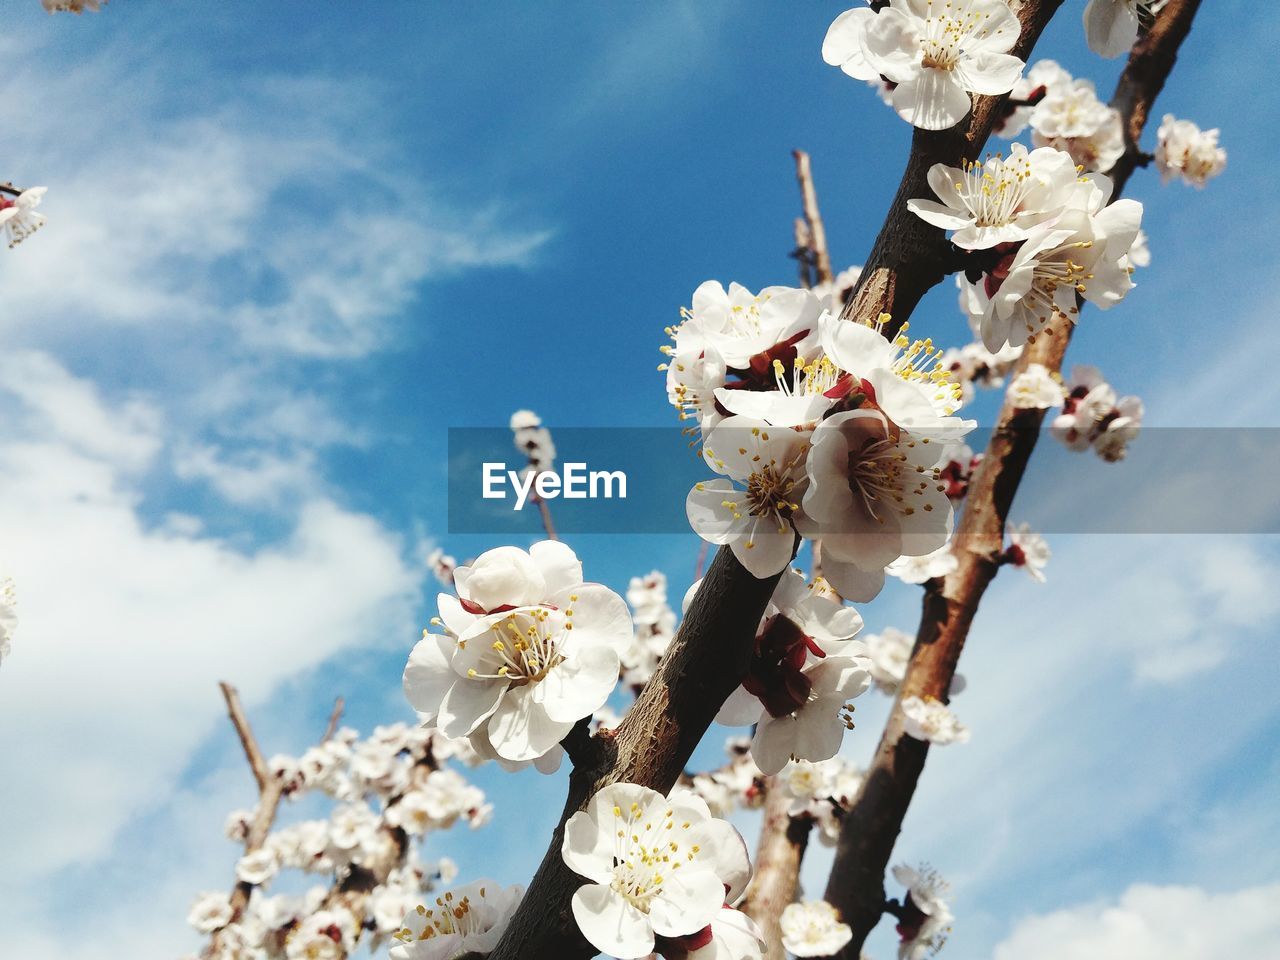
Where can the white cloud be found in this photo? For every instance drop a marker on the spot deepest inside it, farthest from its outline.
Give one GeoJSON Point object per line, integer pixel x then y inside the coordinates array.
{"type": "Point", "coordinates": [125, 629]}
{"type": "Point", "coordinates": [1155, 923]}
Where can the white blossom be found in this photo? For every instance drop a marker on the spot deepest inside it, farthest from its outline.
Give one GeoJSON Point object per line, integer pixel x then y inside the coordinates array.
{"type": "Point", "coordinates": [1043, 78]}
{"type": "Point", "coordinates": [888, 653]}
{"type": "Point", "coordinates": [813, 928]}
{"type": "Point", "coordinates": [926, 917]}
{"type": "Point", "coordinates": [1184, 150]}
{"type": "Point", "coordinates": [210, 912]}
{"type": "Point", "coordinates": [533, 650]}
{"type": "Point", "coordinates": [257, 867]}
{"type": "Point", "coordinates": [1027, 549]}
{"type": "Point", "coordinates": [627, 843]}
{"type": "Point", "coordinates": [998, 201]}
{"type": "Point", "coordinates": [469, 918]}
{"type": "Point", "coordinates": [756, 520]}
{"type": "Point", "coordinates": [1084, 252]}
{"type": "Point", "coordinates": [1036, 388]}
{"type": "Point", "coordinates": [1071, 118]}
{"type": "Point", "coordinates": [734, 936]}
{"type": "Point", "coordinates": [934, 54]}
{"type": "Point", "coordinates": [18, 216]}
{"type": "Point", "coordinates": [925, 568]}
{"type": "Point", "coordinates": [930, 720]}
{"type": "Point", "coordinates": [325, 935]}
{"type": "Point", "coordinates": [1111, 26]}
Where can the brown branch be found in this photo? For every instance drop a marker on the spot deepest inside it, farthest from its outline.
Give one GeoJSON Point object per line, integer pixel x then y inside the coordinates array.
{"type": "Point", "coordinates": [783, 840]}
{"type": "Point", "coordinates": [817, 233]}
{"type": "Point", "coordinates": [910, 256]}
{"type": "Point", "coordinates": [856, 885]}
{"type": "Point", "coordinates": [547, 525]}
{"type": "Point", "coordinates": [252, 753]}
{"type": "Point", "coordinates": [707, 659]}
{"type": "Point", "coordinates": [9, 188]}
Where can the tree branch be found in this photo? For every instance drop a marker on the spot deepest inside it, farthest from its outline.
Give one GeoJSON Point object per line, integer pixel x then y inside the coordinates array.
{"type": "Point", "coordinates": [334, 719]}
{"type": "Point", "coordinates": [856, 885]}
{"type": "Point", "coordinates": [817, 233]}
{"type": "Point", "coordinates": [910, 256]}
{"type": "Point", "coordinates": [252, 753]}
{"type": "Point", "coordinates": [773, 885]}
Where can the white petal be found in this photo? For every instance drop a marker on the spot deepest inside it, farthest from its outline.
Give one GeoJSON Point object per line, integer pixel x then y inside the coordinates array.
{"type": "Point", "coordinates": [579, 686]}
{"type": "Point", "coordinates": [468, 704]}
{"type": "Point", "coordinates": [690, 898]}
{"type": "Point", "coordinates": [428, 674]}
{"type": "Point", "coordinates": [520, 728]}
{"type": "Point", "coordinates": [559, 565]}
{"type": "Point", "coordinates": [611, 924]}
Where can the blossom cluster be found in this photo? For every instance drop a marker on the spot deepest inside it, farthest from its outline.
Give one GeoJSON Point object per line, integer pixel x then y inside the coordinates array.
{"type": "Point", "coordinates": [655, 628]}
{"type": "Point", "coordinates": [813, 928]}
{"type": "Point", "coordinates": [1038, 237]}
{"type": "Point", "coordinates": [817, 427]}
{"type": "Point", "coordinates": [1092, 416]}
{"type": "Point", "coordinates": [390, 789]}
{"type": "Point", "coordinates": [534, 441]}
{"type": "Point", "coordinates": [1184, 150]}
{"type": "Point", "coordinates": [1064, 112]}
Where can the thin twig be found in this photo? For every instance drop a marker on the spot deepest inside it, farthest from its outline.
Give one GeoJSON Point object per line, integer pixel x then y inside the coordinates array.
{"type": "Point", "coordinates": [334, 719]}
{"type": "Point", "coordinates": [257, 763]}
{"type": "Point", "coordinates": [813, 219]}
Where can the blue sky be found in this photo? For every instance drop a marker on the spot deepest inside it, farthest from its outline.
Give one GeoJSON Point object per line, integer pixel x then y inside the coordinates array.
{"type": "Point", "coordinates": [289, 247]}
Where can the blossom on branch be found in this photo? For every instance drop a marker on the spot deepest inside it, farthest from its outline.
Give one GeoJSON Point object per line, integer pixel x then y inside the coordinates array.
{"type": "Point", "coordinates": [1070, 117]}
{"type": "Point", "coordinates": [659, 868]}
{"type": "Point", "coordinates": [18, 216]}
{"type": "Point", "coordinates": [530, 649]}
{"type": "Point", "coordinates": [813, 928]}
{"type": "Point", "coordinates": [931, 721]}
{"type": "Point", "coordinates": [1036, 388]}
{"type": "Point", "coordinates": [933, 54]}
{"type": "Point", "coordinates": [1027, 549]}
{"type": "Point", "coordinates": [924, 918]}
{"type": "Point", "coordinates": [1092, 416]}
{"type": "Point", "coordinates": [1184, 150]}
{"type": "Point", "coordinates": [1111, 26]}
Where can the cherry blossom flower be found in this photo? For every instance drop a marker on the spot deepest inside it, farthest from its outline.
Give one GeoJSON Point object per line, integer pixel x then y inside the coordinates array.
{"type": "Point", "coordinates": [923, 569]}
{"type": "Point", "coordinates": [889, 653]}
{"type": "Point", "coordinates": [325, 935]}
{"type": "Point", "coordinates": [258, 866]}
{"type": "Point", "coordinates": [533, 440]}
{"type": "Point", "coordinates": [8, 616]}
{"type": "Point", "coordinates": [1036, 388]}
{"type": "Point", "coordinates": [924, 918]}
{"type": "Point", "coordinates": [813, 928]}
{"type": "Point", "coordinates": [1071, 118]}
{"type": "Point", "coordinates": [998, 201]}
{"type": "Point", "coordinates": [757, 523]}
{"type": "Point", "coordinates": [973, 365]}
{"type": "Point", "coordinates": [930, 720]}
{"type": "Point", "coordinates": [210, 912]}
{"type": "Point", "coordinates": [874, 496]}
{"type": "Point", "coordinates": [657, 866]}
{"type": "Point", "coordinates": [441, 566]}
{"type": "Point", "coordinates": [1184, 150]}
{"type": "Point", "coordinates": [1093, 416]}
{"type": "Point", "coordinates": [1044, 77]}
{"type": "Point", "coordinates": [805, 668]}
{"type": "Point", "coordinates": [1027, 550]}
{"type": "Point", "coordinates": [533, 650]}
{"type": "Point", "coordinates": [734, 936]}
{"type": "Point", "coordinates": [935, 53]}
{"type": "Point", "coordinates": [843, 45]}
{"type": "Point", "coordinates": [471, 918]}
{"type": "Point", "coordinates": [18, 217]}
{"type": "Point", "coordinates": [1111, 26]}
{"type": "Point", "coordinates": [1084, 252]}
